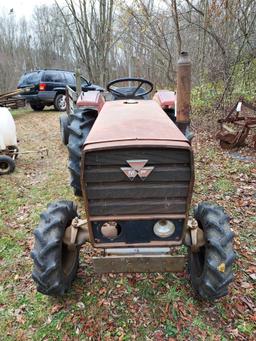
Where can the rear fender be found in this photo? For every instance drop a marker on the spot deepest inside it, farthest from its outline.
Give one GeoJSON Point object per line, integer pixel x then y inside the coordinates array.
{"type": "Point", "coordinates": [165, 98]}
{"type": "Point", "coordinates": [93, 99]}
{"type": "Point", "coordinates": [60, 90]}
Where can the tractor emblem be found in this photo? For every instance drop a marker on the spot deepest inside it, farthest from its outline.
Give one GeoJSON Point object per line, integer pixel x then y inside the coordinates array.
{"type": "Point", "coordinates": [137, 168]}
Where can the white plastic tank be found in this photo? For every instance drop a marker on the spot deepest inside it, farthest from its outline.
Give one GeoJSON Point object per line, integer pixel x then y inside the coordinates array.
{"type": "Point", "coordinates": [8, 135]}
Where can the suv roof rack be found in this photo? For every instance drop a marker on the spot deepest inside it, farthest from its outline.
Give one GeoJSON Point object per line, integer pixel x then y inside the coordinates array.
{"type": "Point", "coordinates": [48, 69]}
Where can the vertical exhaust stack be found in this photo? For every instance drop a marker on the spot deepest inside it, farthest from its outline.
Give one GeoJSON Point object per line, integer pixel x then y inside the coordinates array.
{"type": "Point", "coordinates": [183, 106]}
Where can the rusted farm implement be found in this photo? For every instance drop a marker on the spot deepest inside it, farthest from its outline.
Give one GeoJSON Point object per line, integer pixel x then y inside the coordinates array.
{"type": "Point", "coordinates": [230, 138]}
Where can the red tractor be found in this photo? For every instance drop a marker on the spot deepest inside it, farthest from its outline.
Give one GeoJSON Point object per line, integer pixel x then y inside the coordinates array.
{"type": "Point", "coordinates": [131, 160]}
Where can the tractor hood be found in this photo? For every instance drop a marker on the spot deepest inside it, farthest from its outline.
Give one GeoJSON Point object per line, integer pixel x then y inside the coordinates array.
{"type": "Point", "coordinates": [125, 123]}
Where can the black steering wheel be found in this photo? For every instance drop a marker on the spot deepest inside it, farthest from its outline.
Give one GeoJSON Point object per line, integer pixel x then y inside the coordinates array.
{"type": "Point", "coordinates": [130, 94]}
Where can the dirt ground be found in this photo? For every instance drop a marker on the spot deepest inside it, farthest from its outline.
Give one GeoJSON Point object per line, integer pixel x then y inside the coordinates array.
{"type": "Point", "coordinates": [120, 307]}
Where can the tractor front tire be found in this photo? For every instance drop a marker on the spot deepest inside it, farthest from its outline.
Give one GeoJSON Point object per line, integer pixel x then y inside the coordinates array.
{"type": "Point", "coordinates": [7, 165]}
{"type": "Point", "coordinates": [211, 267]}
{"type": "Point", "coordinates": [81, 123]}
{"type": "Point", "coordinates": [64, 131]}
{"type": "Point", "coordinates": [55, 265]}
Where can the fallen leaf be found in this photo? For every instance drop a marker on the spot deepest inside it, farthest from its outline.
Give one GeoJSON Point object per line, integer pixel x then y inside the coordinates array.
{"type": "Point", "coordinates": [253, 276]}
{"type": "Point", "coordinates": [56, 308]}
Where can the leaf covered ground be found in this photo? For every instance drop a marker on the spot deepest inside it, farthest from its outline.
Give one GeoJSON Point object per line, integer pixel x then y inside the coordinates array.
{"type": "Point", "coordinates": [129, 306]}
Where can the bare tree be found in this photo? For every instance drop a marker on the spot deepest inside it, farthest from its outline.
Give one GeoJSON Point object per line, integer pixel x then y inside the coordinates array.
{"type": "Point", "coordinates": [113, 38]}
{"type": "Point", "coordinates": [90, 25]}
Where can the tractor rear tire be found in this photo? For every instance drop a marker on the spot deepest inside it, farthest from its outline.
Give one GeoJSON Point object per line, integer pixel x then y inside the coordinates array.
{"type": "Point", "coordinates": [7, 165]}
{"type": "Point", "coordinates": [55, 265]}
{"type": "Point", "coordinates": [211, 267]}
{"type": "Point", "coordinates": [64, 131]}
{"type": "Point", "coordinates": [81, 123]}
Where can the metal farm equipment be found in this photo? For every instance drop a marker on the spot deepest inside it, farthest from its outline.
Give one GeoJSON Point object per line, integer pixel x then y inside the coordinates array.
{"type": "Point", "coordinates": [132, 161]}
{"type": "Point", "coordinates": [9, 150]}
{"type": "Point", "coordinates": [230, 138]}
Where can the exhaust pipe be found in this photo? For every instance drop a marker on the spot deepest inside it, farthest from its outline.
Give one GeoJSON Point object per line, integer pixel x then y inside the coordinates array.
{"type": "Point", "coordinates": [183, 106]}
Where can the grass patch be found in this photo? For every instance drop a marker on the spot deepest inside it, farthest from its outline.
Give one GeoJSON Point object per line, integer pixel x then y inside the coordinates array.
{"type": "Point", "coordinates": [170, 329]}
{"type": "Point", "coordinates": [224, 186]}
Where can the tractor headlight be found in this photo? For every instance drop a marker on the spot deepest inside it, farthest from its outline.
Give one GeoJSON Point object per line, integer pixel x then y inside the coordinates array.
{"type": "Point", "coordinates": [164, 228]}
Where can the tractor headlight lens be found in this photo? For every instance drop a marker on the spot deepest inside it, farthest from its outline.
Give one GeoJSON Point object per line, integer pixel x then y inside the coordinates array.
{"type": "Point", "coordinates": [164, 228]}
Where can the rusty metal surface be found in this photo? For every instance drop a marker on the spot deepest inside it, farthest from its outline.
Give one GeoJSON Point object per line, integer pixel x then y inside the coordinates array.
{"type": "Point", "coordinates": [93, 99]}
{"type": "Point", "coordinates": [136, 143]}
{"type": "Point", "coordinates": [183, 107]}
{"type": "Point", "coordinates": [138, 217]}
{"type": "Point", "coordinates": [190, 192]}
{"type": "Point", "coordinates": [155, 243]}
{"type": "Point", "coordinates": [230, 138]}
{"type": "Point", "coordinates": [146, 263]}
{"type": "Point", "coordinates": [165, 98]}
{"type": "Point", "coordinates": [143, 120]}
{"type": "Point", "coordinates": [141, 124]}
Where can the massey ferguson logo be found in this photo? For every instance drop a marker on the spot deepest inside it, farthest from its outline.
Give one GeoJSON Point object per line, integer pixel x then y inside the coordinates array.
{"type": "Point", "coordinates": [137, 168]}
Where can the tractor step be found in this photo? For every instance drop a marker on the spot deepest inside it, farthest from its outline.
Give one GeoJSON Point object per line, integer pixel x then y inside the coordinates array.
{"type": "Point", "coordinates": [143, 263]}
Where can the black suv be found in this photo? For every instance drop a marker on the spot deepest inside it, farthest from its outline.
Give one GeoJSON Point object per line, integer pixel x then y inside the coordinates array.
{"type": "Point", "coordinates": [48, 87]}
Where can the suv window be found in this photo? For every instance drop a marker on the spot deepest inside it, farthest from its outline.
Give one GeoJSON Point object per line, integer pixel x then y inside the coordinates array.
{"type": "Point", "coordinates": [70, 78]}
{"type": "Point", "coordinates": [30, 78]}
{"type": "Point", "coordinates": [53, 76]}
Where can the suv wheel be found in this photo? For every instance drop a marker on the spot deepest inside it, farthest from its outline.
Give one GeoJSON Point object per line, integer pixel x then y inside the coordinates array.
{"type": "Point", "coordinates": [60, 102]}
{"type": "Point", "coordinates": [37, 106]}
{"type": "Point", "coordinates": [211, 267]}
{"type": "Point", "coordinates": [55, 265]}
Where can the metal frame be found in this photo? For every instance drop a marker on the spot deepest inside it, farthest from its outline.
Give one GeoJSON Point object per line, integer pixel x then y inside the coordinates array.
{"type": "Point", "coordinates": [184, 216]}
{"type": "Point", "coordinates": [230, 138]}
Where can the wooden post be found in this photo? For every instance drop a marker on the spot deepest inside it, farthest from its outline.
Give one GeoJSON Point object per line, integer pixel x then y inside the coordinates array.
{"type": "Point", "coordinates": [78, 81]}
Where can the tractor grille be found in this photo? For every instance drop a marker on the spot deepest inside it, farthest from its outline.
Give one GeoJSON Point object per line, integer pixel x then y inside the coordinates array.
{"type": "Point", "coordinates": [110, 192]}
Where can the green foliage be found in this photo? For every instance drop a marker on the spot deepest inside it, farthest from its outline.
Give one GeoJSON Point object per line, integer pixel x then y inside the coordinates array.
{"type": "Point", "coordinates": [246, 327]}
{"type": "Point", "coordinates": [170, 329]}
{"type": "Point", "coordinates": [205, 95]}
{"type": "Point", "coordinates": [224, 186]}
{"type": "Point", "coordinates": [244, 79]}
{"type": "Point", "coordinates": [242, 82]}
